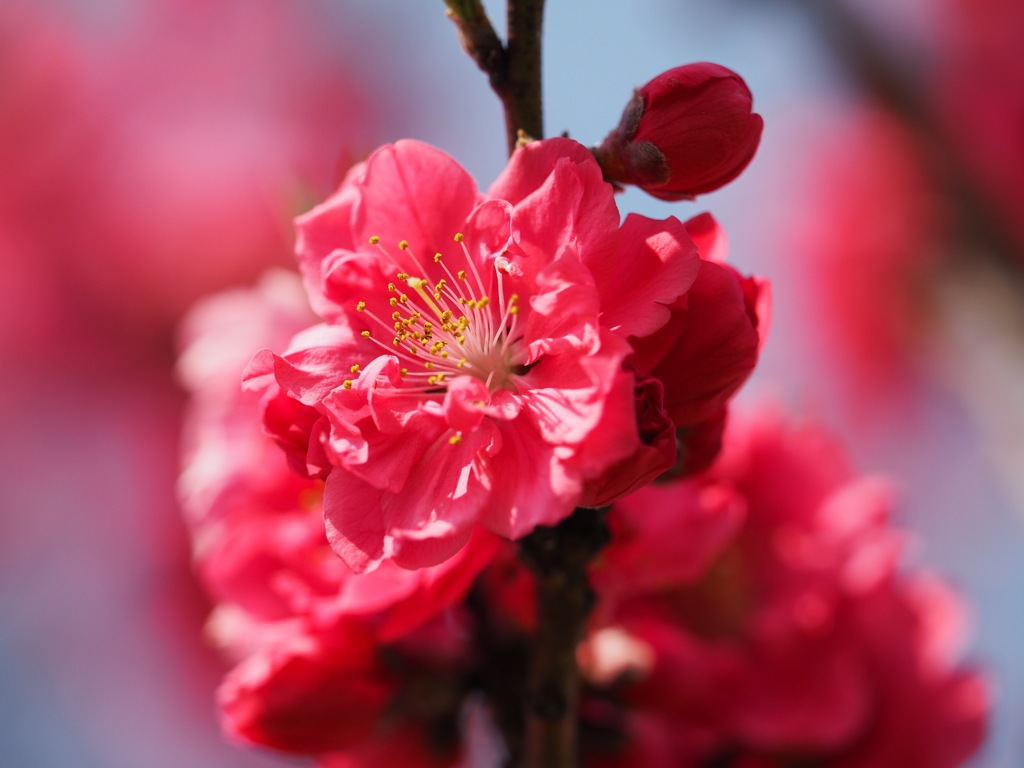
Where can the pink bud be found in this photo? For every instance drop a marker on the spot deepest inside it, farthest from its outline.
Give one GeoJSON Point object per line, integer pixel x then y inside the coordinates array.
{"type": "Point", "coordinates": [688, 131]}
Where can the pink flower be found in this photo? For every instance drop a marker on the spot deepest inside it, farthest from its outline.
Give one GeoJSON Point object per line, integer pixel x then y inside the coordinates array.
{"type": "Point", "coordinates": [473, 366]}
{"type": "Point", "coordinates": [169, 180]}
{"type": "Point", "coordinates": [688, 131]}
{"type": "Point", "coordinates": [868, 253]}
{"type": "Point", "coordinates": [777, 623]}
{"type": "Point", "coordinates": [708, 347]}
{"type": "Point", "coordinates": [311, 640]}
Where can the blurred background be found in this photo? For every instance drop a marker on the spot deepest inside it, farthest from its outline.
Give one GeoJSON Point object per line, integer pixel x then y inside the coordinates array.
{"type": "Point", "coordinates": [154, 151]}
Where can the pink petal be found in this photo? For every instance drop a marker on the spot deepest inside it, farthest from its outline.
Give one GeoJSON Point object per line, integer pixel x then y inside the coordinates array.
{"type": "Point", "coordinates": [414, 192]}
{"type": "Point", "coordinates": [709, 237]}
{"type": "Point", "coordinates": [657, 264]}
{"type": "Point", "coordinates": [716, 350]}
{"type": "Point", "coordinates": [560, 196]}
{"type": "Point", "coordinates": [530, 485]}
{"type": "Point", "coordinates": [321, 232]}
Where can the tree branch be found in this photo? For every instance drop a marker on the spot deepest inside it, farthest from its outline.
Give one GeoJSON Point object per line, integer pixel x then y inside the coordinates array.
{"type": "Point", "coordinates": [558, 557]}
{"type": "Point", "coordinates": [481, 42]}
{"type": "Point", "coordinates": [524, 110]}
{"type": "Point", "coordinates": [514, 71]}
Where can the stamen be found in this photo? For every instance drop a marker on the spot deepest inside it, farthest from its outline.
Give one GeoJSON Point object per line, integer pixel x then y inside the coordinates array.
{"type": "Point", "coordinates": [432, 337]}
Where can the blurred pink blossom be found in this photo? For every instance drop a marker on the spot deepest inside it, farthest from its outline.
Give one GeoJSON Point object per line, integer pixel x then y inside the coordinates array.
{"type": "Point", "coordinates": [786, 629]}
{"type": "Point", "coordinates": [152, 162]}
{"type": "Point", "coordinates": [307, 634]}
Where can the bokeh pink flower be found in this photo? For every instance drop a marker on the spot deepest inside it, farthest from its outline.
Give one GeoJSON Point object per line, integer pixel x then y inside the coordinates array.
{"type": "Point", "coordinates": [752, 613]}
{"type": "Point", "coordinates": [778, 624]}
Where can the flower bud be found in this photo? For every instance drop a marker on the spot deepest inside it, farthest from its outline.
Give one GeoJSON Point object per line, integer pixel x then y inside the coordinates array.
{"type": "Point", "coordinates": [688, 131]}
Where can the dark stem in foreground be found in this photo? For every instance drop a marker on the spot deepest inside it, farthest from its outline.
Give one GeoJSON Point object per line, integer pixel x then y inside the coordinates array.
{"type": "Point", "coordinates": [514, 71]}
{"type": "Point", "coordinates": [558, 557]}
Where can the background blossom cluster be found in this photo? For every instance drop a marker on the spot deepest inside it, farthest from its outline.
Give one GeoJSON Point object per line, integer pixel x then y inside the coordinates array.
{"type": "Point", "coordinates": [750, 614]}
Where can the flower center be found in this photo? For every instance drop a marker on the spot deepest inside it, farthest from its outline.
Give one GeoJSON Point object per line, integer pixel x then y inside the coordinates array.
{"type": "Point", "coordinates": [445, 324]}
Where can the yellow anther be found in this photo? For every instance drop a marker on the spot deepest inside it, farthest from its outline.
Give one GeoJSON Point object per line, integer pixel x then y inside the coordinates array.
{"type": "Point", "coordinates": [437, 297]}
{"type": "Point", "coordinates": [458, 237]}
{"type": "Point", "coordinates": [402, 275]}
{"type": "Point", "coordinates": [393, 301]}
{"type": "Point", "coordinates": [513, 310]}
{"type": "Point", "coordinates": [396, 315]}
{"type": "Point", "coordinates": [428, 365]}
{"type": "Point", "coordinates": [446, 315]}
{"type": "Point", "coordinates": [360, 306]}
{"type": "Point", "coordinates": [374, 240]}
{"type": "Point", "coordinates": [354, 368]}
{"type": "Point", "coordinates": [403, 244]}
{"type": "Point", "coordinates": [437, 257]}
{"type": "Point", "coordinates": [403, 372]}
{"type": "Point", "coordinates": [455, 439]}
{"type": "Point", "coordinates": [482, 302]}
{"type": "Point", "coordinates": [403, 298]}
{"type": "Point", "coordinates": [443, 353]}
{"type": "Point", "coordinates": [461, 274]}
{"type": "Point", "coordinates": [365, 334]}
{"type": "Point", "coordinates": [432, 380]}
{"type": "Point", "coordinates": [461, 362]}
{"type": "Point", "coordinates": [347, 383]}
{"type": "Point", "coordinates": [392, 287]}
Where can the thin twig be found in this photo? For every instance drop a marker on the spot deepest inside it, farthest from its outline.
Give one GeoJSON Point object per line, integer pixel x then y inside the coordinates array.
{"type": "Point", "coordinates": [524, 112]}
{"type": "Point", "coordinates": [514, 71]}
{"type": "Point", "coordinates": [481, 42]}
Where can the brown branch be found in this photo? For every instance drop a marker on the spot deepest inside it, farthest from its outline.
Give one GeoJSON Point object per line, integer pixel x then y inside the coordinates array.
{"type": "Point", "coordinates": [481, 42]}
{"type": "Point", "coordinates": [558, 557]}
{"type": "Point", "coordinates": [514, 71]}
{"type": "Point", "coordinates": [524, 112]}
